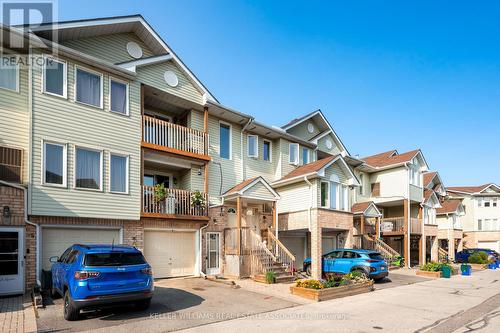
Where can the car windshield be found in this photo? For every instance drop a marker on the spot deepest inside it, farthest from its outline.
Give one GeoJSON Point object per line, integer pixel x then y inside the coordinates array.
{"type": "Point", "coordinates": [114, 259]}
{"type": "Point", "coordinates": [375, 256]}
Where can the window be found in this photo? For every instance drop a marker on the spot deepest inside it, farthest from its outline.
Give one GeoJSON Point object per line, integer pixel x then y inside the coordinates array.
{"type": "Point", "coordinates": [118, 173]}
{"type": "Point", "coordinates": [266, 151]}
{"type": "Point", "coordinates": [293, 153]}
{"type": "Point", "coordinates": [305, 155]}
{"type": "Point", "coordinates": [361, 192]}
{"type": "Point", "coordinates": [324, 194]}
{"type": "Point", "coordinates": [118, 97]}
{"type": "Point", "coordinates": [225, 140]}
{"type": "Point", "coordinates": [88, 173]}
{"type": "Point", "coordinates": [88, 88]}
{"type": "Point", "coordinates": [333, 195]}
{"type": "Point", "coordinates": [494, 202]}
{"type": "Point", "coordinates": [487, 203]}
{"type": "Point", "coordinates": [11, 161]}
{"type": "Point", "coordinates": [9, 73]}
{"type": "Point", "coordinates": [54, 164]}
{"type": "Point", "coordinates": [114, 259]}
{"type": "Point", "coordinates": [344, 197]}
{"type": "Point", "coordinates": [479, 225]}
{"type": "Point", "coordinates": [253, 146]}
{"type": "Point", "coordinates": [479, 202]}
{"type": "Point", "coordinates": [54, 77]}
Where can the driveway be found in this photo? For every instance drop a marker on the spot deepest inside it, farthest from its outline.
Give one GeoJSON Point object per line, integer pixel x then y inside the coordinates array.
{"type": "Point", "coordinates": [177, 304]}
{"type": "Point", "coordinates": [397, 279]}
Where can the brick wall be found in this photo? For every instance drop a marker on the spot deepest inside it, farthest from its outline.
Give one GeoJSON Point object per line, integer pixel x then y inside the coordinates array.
{"type": "Point", "coordinates": [14, 199]}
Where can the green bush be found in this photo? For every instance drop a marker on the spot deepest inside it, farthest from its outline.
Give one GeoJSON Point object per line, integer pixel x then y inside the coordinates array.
{"type": "Point", "coordinates": [478, 258]}
{"type": "Point", "coordinates": [270, 277]}
{"type": "Point", "coordinates": [434, 266]}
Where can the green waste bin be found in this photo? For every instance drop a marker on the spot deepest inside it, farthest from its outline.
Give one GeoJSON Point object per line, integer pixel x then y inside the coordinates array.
{"type": "Point", "coordinates": [446, 272]}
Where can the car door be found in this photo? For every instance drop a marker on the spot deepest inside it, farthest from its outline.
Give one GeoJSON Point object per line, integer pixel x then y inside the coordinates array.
{"type": "Point", "coordinates": [329, 261]}
{"type": "Point", "coordinates": [345, 263]}
{"type": "Point", "coordinates": [56, 269]}
{"type": "Point", "coordinates": [66, 267]}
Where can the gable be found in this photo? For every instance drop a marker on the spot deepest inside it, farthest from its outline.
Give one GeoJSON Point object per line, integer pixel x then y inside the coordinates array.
{"type": "Point", "coordinates": [329, 145]}
{"type": "Point", "coordinates": [111, 48]}
{"type": "Point", "coordinates": [259, 191]}
{"type": "Point", "coordinates": [372, 211]}
{"type": "Point", "coordinates": [335, 170]}
{"type": "Point", "coordinates": [306, 130]}
{"type": "Point", "coordinates": [153, 75]}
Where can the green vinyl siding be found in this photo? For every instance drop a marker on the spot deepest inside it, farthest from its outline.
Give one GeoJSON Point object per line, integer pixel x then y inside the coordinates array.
{"type": "Point", "coordinates": [322, 145]}
{"type": "Point", "coordinates": [111, 48]}
{"type": "Point", "coordinates": [74, 124]}
{"type": "Point", "coordinates": [256, 166]}
{"type": "Point", "coordinates": [302, 132]}
{"type": "Point", "coordinates": [259, 191]}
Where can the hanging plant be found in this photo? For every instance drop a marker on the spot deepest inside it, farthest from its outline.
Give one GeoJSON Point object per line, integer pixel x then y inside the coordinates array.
{"type": "Point", "coordinates": [197, 199]}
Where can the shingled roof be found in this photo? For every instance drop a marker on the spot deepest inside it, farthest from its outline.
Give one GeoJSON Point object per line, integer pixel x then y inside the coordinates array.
{"type": "Point", "coordinates": [449, 206]}
{"type": "Point", "coordinates": [308, 168]}
{"type": "Point", "coordinates": [389, 158]}
{"type": "Point", "coordinates": [468, 189]}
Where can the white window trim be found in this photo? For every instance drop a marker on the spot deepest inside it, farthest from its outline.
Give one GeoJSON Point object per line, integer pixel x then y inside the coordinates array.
{"type": "Point", "coordinates": [296, 162]}
{"type": "Point", "coordinates": [127, 172]}
{"type": "Point", "coordinates": [270, 150]}
{"type": "Point", "coordinates": [230, 139]}
{"type": "Point", "coordinates": [127, 96]}
{"type": "Point", "coordinates": [256, 145]}
{"type": "Point", "coordinates": [65, 164]}
{"type": "Point", "coordinates": [65, 77]}
{"type": "Point", "coordinates": [17, 77]}
{"type": "Point", "coordinates": [100, 189]}
{"type": "Point", "coordinates": [327, 199]}
{"type": "Point", "coordinates": [308, 155]}
{"type": "Point", "coordinates": [85, 69]}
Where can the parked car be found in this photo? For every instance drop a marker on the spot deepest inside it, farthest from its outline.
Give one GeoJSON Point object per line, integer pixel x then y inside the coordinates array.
{"type": "Point", "coordinates": [463, 256]}
{"type": "Point", "coordinates": [343, 261]}
{"type": "Point", "coordinates": [94, 276]}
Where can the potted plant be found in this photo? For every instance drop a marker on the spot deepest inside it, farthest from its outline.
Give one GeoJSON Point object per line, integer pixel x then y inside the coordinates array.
{"type": "Point", "coordinates": [436, 270]}
{"type": "Point", "coordinates": [197, 200]}
{"type": "Point", "coordinates": [159, 195]}
{"type": "Point", "coordinates": [478, 260]}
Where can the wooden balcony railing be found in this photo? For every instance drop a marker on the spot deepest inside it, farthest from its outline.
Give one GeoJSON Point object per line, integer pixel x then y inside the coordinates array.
{"type": "Point", "coordinates": [397, 224]}
{"type": "Point", "coordinates": [174, 137]}
{"type": "Point", "coordinates": [175, 202]}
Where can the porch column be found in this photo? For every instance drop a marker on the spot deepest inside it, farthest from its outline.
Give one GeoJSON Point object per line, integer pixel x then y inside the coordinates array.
{"type": "Point", "coordinates": [451, 248]}
{"type": "Point", "coordinates": [205, 119]}
{"type": "Point", "coordinates": [421, 252]}
{"type": "Point", "coordinates": [435, 249]}
{"type": "Point", "coordinates": [275, 217]}
{"type": "Point", "coordinates": [238, 225]}
{"type": "Point", "coordinates": [406, 241]}
{"type": "Point", "coordinates": [362, 227]}
{"type": "Point", "coordinates": [316, 251]}
{"type": "Point", "coordinates": [460, 246]}
{"type": "Point", "coordinates": [205, 179]}
{"type": "Point", "coordinates": [377, 227]}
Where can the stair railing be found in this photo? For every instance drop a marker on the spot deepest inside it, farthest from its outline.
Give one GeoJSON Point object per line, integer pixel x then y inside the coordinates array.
{"type": "Point", "coordinates": [281, 253]}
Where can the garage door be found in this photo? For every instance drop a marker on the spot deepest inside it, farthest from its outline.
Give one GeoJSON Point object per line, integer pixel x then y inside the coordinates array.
{"type": "Point", "coordinates": [296, 246]}
{"type": "Point", "coordinates": [328, 244]}
{"type": "Point", "coordinates": [170, 253]}
{"type": "Point", "coordinates": [56, 240]}
{"type": "Point", "coordinates": [492, 245]}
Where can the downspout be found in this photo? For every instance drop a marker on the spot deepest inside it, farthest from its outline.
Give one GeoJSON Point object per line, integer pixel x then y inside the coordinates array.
{"type": "Point", "coordinates": [37, 227]}
{"type": "Point", "coordinates": [309, 218]}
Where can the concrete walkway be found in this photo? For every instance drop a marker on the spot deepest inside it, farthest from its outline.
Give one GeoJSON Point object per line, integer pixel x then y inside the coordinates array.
{"type": "Point", "coordinates": [17, 314]}
{"type": "Point", "coordinates": [433, 305]}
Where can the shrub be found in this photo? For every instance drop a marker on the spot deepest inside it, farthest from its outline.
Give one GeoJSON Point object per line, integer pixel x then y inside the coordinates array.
{"type": "Point", "coordinates": [311, 284]}
{"type": "Point", "coordinates": [478, 258]}
{"type": "Point", "coordinates": [270, 277]}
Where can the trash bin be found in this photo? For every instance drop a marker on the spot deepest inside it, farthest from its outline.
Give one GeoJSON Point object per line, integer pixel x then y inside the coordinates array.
{"type": "Point", "coordinates": [446, 272]}
{"type": "Point", "coordinates": [466, 269]}
{"type": "Point", "coordinates": [492, 266]}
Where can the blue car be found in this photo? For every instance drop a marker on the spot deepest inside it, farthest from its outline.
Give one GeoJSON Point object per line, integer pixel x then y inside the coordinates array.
{"type": "Point", "coordinates": [463, 256]}
{"type": "Point", "coordinates": [94, 276]}
{"type": "Point", "coordinates": [344, 261]}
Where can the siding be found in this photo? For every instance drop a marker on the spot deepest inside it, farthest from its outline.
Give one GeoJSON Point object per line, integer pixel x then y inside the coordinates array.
{"type": "Point", "coordinates": [153, 75]}
{"type": "Point", "coordinates": [301, 130]}
{"type": "Point", "coordinates": [256, 166]}
{"type": "Point", "coordinates": [111, 48]}
{"type": "Point", "coordinates": [295, 197]}
{"type": "Point", "coordinates": [322, 145]}
{"type": "Point", "coordinates": [14, 123]}
{"type": "Point", "coordinates": [71, 123]}
{"type": "Point", "coordinates": [334, 169]}
{"type": "Point", "coordinates": [259, 191]}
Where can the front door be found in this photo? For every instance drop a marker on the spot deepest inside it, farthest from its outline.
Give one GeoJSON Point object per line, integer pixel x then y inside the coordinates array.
{"type": "Point", "coordinates": [213, 253]}
{"type": "Point", "coordinates": [11, 261]}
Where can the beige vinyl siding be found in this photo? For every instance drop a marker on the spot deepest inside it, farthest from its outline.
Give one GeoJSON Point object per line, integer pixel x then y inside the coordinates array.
{"type": "Point", "coordinates": [71, 123]}
{"type": "Point", "coordinates": [302, 132]}
{"type": "Point", "coordinates": [259, 191]}
{"type": "Point", "coordinates": [111, 48]}
{"type": "Point", "coordinates": [334, 169]}
{"type": "Point", "coordinates": [256, 166]}
{"type": "Point", "coordinates": [14, 119]}
{"type": "Point", "coordinates": [153, 75]}
{"type": "Point", "coordinates": [286, 167]}
{"type": "Point", "coordinates": [195, 120]}
{"type": "Point", "coordinates": [295, 197]}
{"type": "Point", "coordinates": [232, 173]}
{"type": "Point", "coordinates": [322, 145]}
{"type": "Point", "coordinates": [393, 182]}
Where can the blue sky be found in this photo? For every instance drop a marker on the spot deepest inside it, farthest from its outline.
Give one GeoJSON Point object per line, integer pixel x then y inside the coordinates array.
{"type": "Point", "coordinates": [387, 75]}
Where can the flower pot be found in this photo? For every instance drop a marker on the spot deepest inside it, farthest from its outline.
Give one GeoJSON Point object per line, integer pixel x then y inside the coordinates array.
{"type": "Point", "coordinates": [319, 295]}
{"type": "Point", "coordinates": [429, 274]}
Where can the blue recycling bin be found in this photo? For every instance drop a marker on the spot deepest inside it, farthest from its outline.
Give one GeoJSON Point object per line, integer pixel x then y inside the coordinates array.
{"type": "Point", "coordinates": [466, 269]}
{"type": "Point", "coordinates": [492, 265]}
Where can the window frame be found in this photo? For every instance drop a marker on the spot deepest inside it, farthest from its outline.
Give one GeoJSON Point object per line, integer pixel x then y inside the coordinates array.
{"type": "Point", "coordinates": [101, 152]}
{"type": "Point", "coordinates": [304, 149]}
{"type": "Point", "coordinates": [256, 145]}
{"type": "Point", "coordinates": [17, 89]}
{"type": "Point", "coordinates": [65, 164]}
{"type": "Point", "coordinates": [264, 141]}
{"type": "Point", "coordinates": [127, 172]}
{"type": "Point", "coordinates": [480, 225]}
{"type": "Point", "coordinates": [297, 159]}
{"type": "Point", "coordinates": [230, 140]}
{"type": "Point", "coordinates": [65, 77]}
{"type": "Point", "coordinates": [127, 96]}
{"type": "Point", "coordinates": [327, 199]}
{"type": "Point", "coordinates": [75, 86]}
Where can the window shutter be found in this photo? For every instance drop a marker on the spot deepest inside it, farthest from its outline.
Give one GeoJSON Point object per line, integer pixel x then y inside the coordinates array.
{"type": "Point", "coordinates": [375, 189]}
{"type": "Point", "coordinates": [11, 164]}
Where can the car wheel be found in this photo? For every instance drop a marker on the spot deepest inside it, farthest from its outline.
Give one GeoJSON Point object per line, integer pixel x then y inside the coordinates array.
{"type": "Point", "coordinates": [70, 312]}
{"type": "Point", "coordinates": [143, 305]}
{"type": "Point", "coordinates": [308, 270]}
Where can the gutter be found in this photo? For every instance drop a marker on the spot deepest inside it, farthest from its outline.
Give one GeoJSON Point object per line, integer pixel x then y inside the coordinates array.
{"type": "Point", "coordinates": [37, 227]}
{"type": "Point", "coordinates": [409, 214]}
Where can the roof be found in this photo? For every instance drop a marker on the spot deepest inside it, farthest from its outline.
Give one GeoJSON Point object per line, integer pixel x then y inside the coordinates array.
{"type": "Point", "coordinates": [362, 207]}
{"type": "Point", "coordinates": [427, 194]}
{"type": "Point", "coordinates": [470, 189]}
{"type": "Point", "coordinates": [449, 206]}
{"type": "Point", "coordinates": [300, 119]}
{"type": "Point", "coordinates": [428, 177]}
{"type": "Point", "coordinates": [390, 158]}
{"type": "Point", "coordinates": [240, 186]}
{"type": "Point", "coordinates": [239, 189]}
{"type": "Point", "coordinates": [309, 168]}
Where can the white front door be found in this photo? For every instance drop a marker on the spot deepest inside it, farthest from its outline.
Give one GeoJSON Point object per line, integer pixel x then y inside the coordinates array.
{"type": "Point", "coordinates": [213, 253]}
{"type": "Point", "coordinates": [11, 261]}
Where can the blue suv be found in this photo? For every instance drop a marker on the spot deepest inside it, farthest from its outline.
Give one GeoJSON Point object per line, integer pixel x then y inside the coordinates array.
{"type": "Point", "coordinates": [344, 261]}
{"type": "Point", "coordinates": [463, 256]}
{"type": "Point", "coordinates": [93, 276]}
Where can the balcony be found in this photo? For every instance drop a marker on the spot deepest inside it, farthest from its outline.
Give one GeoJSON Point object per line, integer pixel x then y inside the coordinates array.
{"type": "Point", "coordinates": [396, 225]}
{"type": "Point", "coordinates": [165, 136]}
{"type": "Point", "coordinates": [175, 203]}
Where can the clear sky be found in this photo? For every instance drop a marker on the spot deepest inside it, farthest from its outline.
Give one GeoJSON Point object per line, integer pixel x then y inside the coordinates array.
{"type": "Point", "coordinates": [387, 75]}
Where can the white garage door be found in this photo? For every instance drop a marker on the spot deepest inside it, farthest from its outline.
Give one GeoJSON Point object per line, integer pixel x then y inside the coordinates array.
{"type": "Point", "coordinates": [56, 240]}
{"type": "Point", "coordinates": [170, 253]}
{"type": "Point", "coordinates": [492, 245]}
{"type": "Point", "coordinates": [296, 246]}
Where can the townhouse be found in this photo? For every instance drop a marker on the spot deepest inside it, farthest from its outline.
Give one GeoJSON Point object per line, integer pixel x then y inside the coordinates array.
{"type": "Point", "coordinates": [480, 215]}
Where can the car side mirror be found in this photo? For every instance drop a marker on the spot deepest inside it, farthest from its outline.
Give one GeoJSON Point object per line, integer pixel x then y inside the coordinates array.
{"type": "Point", "coordinates": [54, 259]}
